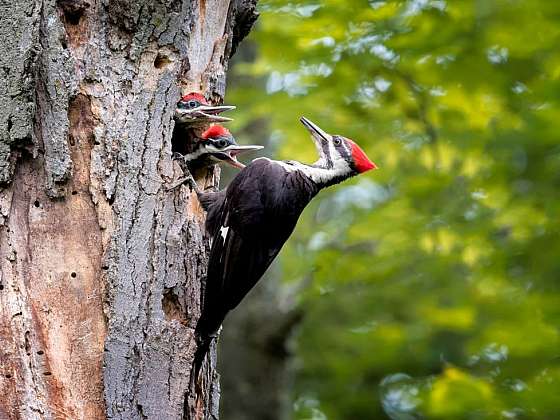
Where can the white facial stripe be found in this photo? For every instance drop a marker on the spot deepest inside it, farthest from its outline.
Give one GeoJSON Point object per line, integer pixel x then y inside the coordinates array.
{"type": "Point", "coordinates": [345, 145]}
{"type": "Point", "coordinates": [194, 155]}
{"type": "Point", "coordinates": [317, 174]}
{"type": "Point", "coordinates": [332, 151]}
{"type": "Point", "coordinates": [212, 149]}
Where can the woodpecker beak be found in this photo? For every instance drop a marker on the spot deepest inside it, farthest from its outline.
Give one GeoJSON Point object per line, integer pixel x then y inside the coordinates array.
{"type": "Point", "coordinates": [204, 114]}
{"type": "Point", "coordinates": [229, 154]}
{"type": "Point", "coordinates": [320, 138]}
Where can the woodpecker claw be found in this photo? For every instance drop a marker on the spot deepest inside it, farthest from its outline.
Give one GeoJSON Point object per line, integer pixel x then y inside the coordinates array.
{"type": "Point", "coordinates": [188, 179]}
{"type": "Point", "coordinates": [177, 156]}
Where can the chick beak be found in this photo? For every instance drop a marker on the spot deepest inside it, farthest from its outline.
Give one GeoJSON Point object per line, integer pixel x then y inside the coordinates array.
{"type": "Point", "coordinates": [214, 110]}
{"type": "Point", "coordinates": [230, 154]}
{"type": "Point", "coordinates": [204, 114]}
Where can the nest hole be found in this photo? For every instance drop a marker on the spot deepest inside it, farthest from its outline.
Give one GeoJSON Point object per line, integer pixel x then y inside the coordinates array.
{"type": "Point", "coordinates": [36, 203]}
{"type": "Point", "coordinates": [172, 307]}
{"type": "Point", "coordinates": [73, 274]}
{"type": "Point", "coordinates": [73, 10]}
{"type": "Point", "coordinates": [161, 61]}
{"type": "Point", "coordinates": [182, 139]}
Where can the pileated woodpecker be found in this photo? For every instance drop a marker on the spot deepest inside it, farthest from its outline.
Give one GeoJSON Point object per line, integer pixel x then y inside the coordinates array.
{"type": "Point", "coordinates": [254, 216]}
{"type": "Point", "coordinates": [193, 110]}
{"type": "Point", "coordinates": [193, 116]}
{"type": "Point", "coordinates": [214, 146]}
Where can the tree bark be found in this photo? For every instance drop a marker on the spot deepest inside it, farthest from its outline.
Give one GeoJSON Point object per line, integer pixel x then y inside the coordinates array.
{"type": "Point", "coordinates": [101, 266]}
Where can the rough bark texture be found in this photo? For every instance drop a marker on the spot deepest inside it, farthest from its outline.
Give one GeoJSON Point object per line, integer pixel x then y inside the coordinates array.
{"type": "Point", "coordinates": [101, 266]}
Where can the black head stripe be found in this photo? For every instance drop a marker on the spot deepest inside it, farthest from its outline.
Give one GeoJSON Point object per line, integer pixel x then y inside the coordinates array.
{"type": "Point", "coordinates": [343, 149]}
{"type": "Point", "coordinates": [346, 152]}
{"type": "Point", "coordinates": [327, 154]}
{"type": "Point", "coordinates": [222, 141]}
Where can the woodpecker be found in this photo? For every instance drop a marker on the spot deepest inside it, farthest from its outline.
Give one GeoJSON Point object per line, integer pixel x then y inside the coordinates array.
{"type": "Point", "coordinates": [214, 146]}
{"type": "Point", "coordinates": [193, 117]}
{"type": "Point", "coordinates": [193, 110]}
{"type": "Point", "coordinates": [254, 216]}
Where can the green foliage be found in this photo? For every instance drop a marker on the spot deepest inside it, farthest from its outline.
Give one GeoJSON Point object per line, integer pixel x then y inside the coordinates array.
{"type": "Point", "coordinates": [435, 287]}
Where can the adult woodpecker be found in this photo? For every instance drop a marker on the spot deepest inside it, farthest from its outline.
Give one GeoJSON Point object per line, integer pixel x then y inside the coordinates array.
{"type": "Point", "coordinates": [254, 216]}
{"type": "Point", "coordinates": [216, 145]}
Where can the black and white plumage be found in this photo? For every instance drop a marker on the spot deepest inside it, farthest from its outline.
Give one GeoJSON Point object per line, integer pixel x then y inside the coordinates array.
{"type": "Point", "coordinates": [216, 145]}
{"type": "Point", "coordinates": [255, 215]}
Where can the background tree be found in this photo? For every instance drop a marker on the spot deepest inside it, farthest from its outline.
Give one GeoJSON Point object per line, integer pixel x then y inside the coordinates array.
{"type": "Point", "coordinates": [101, 266]}
{"type": "Point", "coordinates": [434, 291]}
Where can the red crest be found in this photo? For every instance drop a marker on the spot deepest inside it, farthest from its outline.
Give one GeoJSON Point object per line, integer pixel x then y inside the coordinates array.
{"type": "Point", "coordinates": [215, 131]}
{"type": "Point", "coordinates": [195, 96]}
{"type": "Point", "coordinates": [361, 161]}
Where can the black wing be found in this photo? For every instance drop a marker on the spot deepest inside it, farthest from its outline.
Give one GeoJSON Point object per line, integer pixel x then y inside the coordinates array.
{"type": "Point", "coordinates": [212, 203]}
{"type": "Point", "coordinates": [258, 213]}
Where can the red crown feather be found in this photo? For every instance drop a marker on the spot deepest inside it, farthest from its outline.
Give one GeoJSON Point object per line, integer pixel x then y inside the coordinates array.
{"type": "Point", "coordinates": [215, 131]}
{"type": "Point", "coordinates": [196, 96]}
{"type": "Point", "coordinates": [361, 161]}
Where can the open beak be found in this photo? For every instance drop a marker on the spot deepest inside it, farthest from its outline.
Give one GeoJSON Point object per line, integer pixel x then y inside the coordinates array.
{"type": "Point", "coordinates": [320, 138]}
{"type": "Point", "coordinates": [230, 153]}
{"type": "Point", "coordinates": [204, 114]}
{"type": "Point", "coordinates": [214, 110]}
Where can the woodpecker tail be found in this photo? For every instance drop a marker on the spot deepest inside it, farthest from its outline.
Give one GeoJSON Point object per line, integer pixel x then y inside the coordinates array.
{"type": "Point", "coordinates": [203, 345]}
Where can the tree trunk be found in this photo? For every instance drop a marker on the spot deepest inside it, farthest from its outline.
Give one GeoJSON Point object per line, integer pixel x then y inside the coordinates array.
{"type": "Point", "coordinates": [101, 266]}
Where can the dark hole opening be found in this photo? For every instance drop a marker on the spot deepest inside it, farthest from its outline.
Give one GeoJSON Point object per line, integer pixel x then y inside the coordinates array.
{"type": "Point", "coordinates": [73, 10]}
{"type": "Point", "coordinates": [161, 61]}
{"type": "Point", "coordinates": [40, 352]}
{"type": "Point", "coordinates": [181, 139]}
{"type": "Point", "coordinates": [36, 203]}
{"type": "Point", "coordinates": [47, 373]}
{"type": "Point", "coordinates": [73, 274]}
{"type": "Point", "coordinates": [8, 376]}
{"type": "Point", "coordinates": [1, 286]}
{"type": "Point", "coordinates": [74, 18]}
{"type": "Point", "coordinates": [74, 192]}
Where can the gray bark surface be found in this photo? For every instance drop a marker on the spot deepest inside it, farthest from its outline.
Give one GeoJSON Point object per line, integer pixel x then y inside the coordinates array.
{"type": "Point", "coordinates": [101, 265]}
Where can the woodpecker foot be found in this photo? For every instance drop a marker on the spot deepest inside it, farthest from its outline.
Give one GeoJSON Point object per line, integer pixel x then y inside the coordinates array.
{"type": "Point", "coordinates": [177, 156]}
{"type": "Point", "coordinates": [188, 179]}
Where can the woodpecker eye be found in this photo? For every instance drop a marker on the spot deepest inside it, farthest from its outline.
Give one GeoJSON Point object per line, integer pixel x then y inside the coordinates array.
{"type": "Point", "coordinates": [337, 141]}
{"type": "Point", "coordinates": [222, 143]}
{"type": "Point", "coordinates": [193, 104]}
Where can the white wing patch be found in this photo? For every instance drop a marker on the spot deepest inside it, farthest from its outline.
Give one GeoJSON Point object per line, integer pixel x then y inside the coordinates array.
{"type": "Point", "coordinates": [224, 231]}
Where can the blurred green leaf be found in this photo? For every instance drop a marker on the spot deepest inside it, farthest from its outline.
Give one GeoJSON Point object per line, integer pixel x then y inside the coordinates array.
{"type": "Point", "coordinates": [441, 267]}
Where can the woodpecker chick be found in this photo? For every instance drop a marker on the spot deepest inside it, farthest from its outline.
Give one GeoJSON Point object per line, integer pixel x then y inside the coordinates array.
{"type": "Point", "coordinates": [217, 145]}
{"type": "Point", "coordinates": [255, 215]}
{"type": "Point", "coordinates": [193, 110]}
